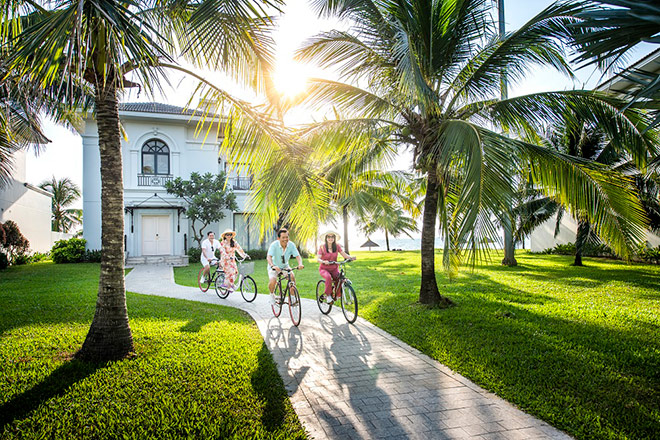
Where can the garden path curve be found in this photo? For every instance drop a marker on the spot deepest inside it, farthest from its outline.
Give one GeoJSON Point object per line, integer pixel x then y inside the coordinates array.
{"type": "Point", "coordinates": [359, 382]}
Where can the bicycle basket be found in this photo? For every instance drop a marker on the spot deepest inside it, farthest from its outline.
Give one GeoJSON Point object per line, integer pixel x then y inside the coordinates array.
{"type": "Point", "coordinates": [246, 268]}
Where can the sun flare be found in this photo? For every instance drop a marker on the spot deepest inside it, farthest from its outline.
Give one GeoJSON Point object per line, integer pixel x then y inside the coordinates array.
{"type": "Point", "coordinates": [290, 79]}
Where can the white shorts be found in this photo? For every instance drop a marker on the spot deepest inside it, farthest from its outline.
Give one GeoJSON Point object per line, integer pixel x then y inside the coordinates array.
{"type": "Point", "coordinates": [205, 262]}
{"type": "Point", "coordinates": [272, 273]}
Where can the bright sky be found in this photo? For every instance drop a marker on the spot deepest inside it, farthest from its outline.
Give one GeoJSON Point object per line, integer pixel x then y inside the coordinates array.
{"type": "Point", "coordinates": [63, 157]}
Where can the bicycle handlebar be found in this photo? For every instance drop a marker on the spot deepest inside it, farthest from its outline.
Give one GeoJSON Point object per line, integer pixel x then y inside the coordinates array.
{"type": "Point", "coordinates": [346, 261]}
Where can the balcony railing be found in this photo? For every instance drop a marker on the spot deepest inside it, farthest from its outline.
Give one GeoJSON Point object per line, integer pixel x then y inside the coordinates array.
{"type": "Point", "coordinates": [240, 183]}
{"type": "Point", "coordinates": [153, 179]}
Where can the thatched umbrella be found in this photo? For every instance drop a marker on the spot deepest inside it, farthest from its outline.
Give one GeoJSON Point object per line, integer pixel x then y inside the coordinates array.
{"type": "Point", "coordinates": [369, 244]}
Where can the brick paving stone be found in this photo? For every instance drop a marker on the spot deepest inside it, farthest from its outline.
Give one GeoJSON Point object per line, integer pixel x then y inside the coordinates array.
{"type": "Point", "coordinates": [359, 382]}
{"type": "Point", "coordinates": [456, 433]}
{"type": "Point", "coordinates": [483, 428]}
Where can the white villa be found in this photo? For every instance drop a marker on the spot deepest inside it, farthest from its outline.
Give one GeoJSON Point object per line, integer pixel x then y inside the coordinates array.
{"type": "Point", "coordinates": [29, 207]}
{"type": "Point", "coordinates": [162, 144]}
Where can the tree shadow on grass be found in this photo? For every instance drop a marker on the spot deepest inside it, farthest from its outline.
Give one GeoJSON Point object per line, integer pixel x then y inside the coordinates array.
{"type": "Point", "coordinates": [596, 272]}
{"type": "Point", "coordinates": [55, 385]}
{"type": "Point", "coordinates": [268, 384]}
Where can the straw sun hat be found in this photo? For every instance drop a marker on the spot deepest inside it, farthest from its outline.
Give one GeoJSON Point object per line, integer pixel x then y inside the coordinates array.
{"type": "Point", "coordinates": [228, 231]}
{"type": "Point", "coordinates": [330, 232]}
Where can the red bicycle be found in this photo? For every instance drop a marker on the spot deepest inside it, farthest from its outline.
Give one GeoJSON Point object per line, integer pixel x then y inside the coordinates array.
{"type": "Point", "coordinates": [342, 291]}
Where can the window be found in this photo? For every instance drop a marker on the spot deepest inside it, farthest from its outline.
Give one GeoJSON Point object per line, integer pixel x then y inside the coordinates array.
{"type": "Point", "coordinates": [155, 157]}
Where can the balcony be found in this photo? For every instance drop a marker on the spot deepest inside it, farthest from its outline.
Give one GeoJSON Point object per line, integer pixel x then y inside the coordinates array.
{"type": "Point", "coordinates": [240, 183]}
{"type": "Point", "coordinates": [154, 179]}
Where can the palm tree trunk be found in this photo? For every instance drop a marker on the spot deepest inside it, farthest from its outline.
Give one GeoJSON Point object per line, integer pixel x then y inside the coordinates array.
{"type": "Point", "coordinates": [428, 291]}
{"type": "Point", "coordinates": [109, 337]}
{"type": "Point", "coordinates": [580, 240]}
{"type": "Point", "coordinates": [387, 240]}
{"type": "Point", "coordinates": [509, 244]}
{"type": "Point", "coordinates": [345, 218]}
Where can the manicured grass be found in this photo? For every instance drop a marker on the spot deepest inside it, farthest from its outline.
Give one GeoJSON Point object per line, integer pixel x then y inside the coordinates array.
{"type": "Point", "coordinates": [576, 346]}
{"type": "Point", "coordinates": [199, 370]}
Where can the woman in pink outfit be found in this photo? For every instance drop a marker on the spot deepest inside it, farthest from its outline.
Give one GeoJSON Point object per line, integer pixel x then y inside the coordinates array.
{"type": "Point", "coordinates": [228, 248]}
{"type": "Point", "coordinates": [327, 253]}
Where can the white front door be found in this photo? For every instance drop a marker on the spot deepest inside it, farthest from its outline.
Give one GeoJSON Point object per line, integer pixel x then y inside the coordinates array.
{"type": "Point", "coordinates": [156, 235]}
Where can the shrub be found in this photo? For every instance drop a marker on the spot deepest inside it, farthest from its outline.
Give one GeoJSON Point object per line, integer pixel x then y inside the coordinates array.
{"type": "Point", "coordinates": [4, 261]}
{"type": "Point", "coordinates": [590, 250]}
{"type": "Point", "coordinates": [13, 244]}
{"type": "Point", "coordinates": [649, 254]}
{"type": "Point", "coordinates": [69, 251]}
{"type": "Point", "coordinates": [257, 254]}
{"type": "Point", "coordinates": [564, 249]}
{"type": "Point", "coordinates": [194, 253]}
{"type": "Point", "coordinates": [39, 256]}
{"type": "Point", "coordinates": [92, 256]}
{"type": "Point", "coordinates": [20, 259]}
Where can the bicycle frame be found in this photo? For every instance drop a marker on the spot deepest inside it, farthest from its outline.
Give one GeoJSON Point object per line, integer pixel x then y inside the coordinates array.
{"type": "Point", "coordinates": [341, 280]}
{"type": "Point", "coordinates": [290, 291]}
{"type": "Point", "coordinates": [289, 282]}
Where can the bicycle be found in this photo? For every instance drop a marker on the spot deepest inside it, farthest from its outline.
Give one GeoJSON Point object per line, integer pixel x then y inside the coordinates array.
{"type": "Point", "coordinates": [342, 290]}
{"type": "Point", "coordinates": [204, 286]}
{"type": "Point", "coordinates": [293, 296]}
{"type": "Point", "coordinates": [246, 283]}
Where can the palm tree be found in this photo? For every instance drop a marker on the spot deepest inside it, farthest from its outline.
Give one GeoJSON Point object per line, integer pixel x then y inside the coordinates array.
{"type": "Point", "coordinates": [109, 47]}
{"type": "Point", "coordinates": [372, 193]}
{"type": "Point", "coordinates": [427, 75]}
{"type": "Point", "coordinates": [65, 192]}
{"type": "Point", "coordinates": [392, 220]}
{"type": "Point", "coordinates": [431, 74]}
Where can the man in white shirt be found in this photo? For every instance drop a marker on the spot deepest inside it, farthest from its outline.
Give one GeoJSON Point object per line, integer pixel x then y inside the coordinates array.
{"type": "Point", "coordinates": [209, 247]}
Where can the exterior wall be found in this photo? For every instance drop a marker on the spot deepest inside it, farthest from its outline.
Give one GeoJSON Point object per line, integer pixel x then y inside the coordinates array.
{"type": "Point", "coordinates": [188, 153]}
{"type": "Point", "coordinates": [29, 207]}
{"type": "Point", "coordinates": [91, 186]}
{"type": "Point", "coordinates": [542, 237]}
{"type": "Point", "coordinates": [57, 236]}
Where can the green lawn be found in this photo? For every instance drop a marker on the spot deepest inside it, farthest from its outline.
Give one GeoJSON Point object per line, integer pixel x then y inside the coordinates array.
{"type": "Point", "coordinates": [199, 371]}
{"type": "Point", "coordinates": [576, 346]}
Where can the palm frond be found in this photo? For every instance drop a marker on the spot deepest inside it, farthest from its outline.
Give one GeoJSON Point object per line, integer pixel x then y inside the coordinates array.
{"type": "Point", "coordinates": [537, 43]}
{"type": "Point", "coordinates": [589, 190]}
{"type": "Point", "coordinates": [627, 129]}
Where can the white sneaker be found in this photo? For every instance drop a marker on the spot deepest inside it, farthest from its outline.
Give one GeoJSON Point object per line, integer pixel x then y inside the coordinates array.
{"type": "Point", "coordinates": [203, 280]}
{"type": "Point", "coordinates": [329, 300]}
{"type": "Point", "coordinates": [273, 300]}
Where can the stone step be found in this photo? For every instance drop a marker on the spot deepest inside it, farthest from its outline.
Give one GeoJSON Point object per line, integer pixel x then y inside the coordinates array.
{"type": "Point", "coordinates": [167, 260]}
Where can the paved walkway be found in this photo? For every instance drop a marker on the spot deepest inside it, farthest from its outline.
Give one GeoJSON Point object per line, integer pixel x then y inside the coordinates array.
{"type": "Point", "coordinates": [359, 382]}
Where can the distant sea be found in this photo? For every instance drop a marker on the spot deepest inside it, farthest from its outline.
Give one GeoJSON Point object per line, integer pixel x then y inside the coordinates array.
{"type": "Point", "coordinates": [408, 244]}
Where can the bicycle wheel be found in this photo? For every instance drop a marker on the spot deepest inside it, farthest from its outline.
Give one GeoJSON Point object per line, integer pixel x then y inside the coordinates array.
{"type": "Point", "coordinates": [248, 289]}
{"type": "Point", "coordinates": [324, 307]}
{"type": "Point", "coordinates": [349, 303]}
{"type": "Point", "coordinates": [277, 306]}
{"type": "Point", "coordinates": [295, 308]}
{"type": "Point", "coordinates": [205, 285]}
{"type": "Point", "coordinates": [219, 290]}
